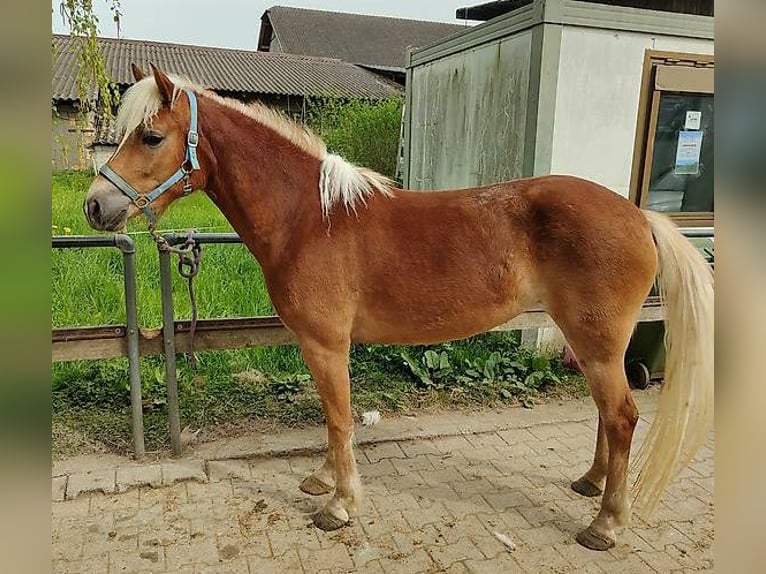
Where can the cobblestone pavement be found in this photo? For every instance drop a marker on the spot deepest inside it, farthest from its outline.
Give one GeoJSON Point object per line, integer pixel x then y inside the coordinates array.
{"type": "Point", "coordinates": [432, 505]}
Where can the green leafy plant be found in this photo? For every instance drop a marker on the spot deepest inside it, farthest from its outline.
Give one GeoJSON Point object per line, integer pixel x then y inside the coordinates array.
{"type": "Point", "coordinates": [287, 389]}
{"type": "Point", "coordinates": [520, 374]}
{"type": "Point", "coordinates": [365, 133]}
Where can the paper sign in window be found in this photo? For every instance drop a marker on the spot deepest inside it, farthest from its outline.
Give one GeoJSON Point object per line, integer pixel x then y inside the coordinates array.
{"type": "Point", "coordinates": [688, 153]}
{"type": "Point", "coordinates": [693, 120]}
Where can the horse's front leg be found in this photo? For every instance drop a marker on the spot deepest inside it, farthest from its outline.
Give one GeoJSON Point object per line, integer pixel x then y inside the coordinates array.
{"type": "Point", "coordinates": [329, 367]}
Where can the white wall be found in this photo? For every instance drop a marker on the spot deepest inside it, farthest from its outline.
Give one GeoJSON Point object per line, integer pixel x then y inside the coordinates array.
{"type": "Point", "coordinates": [599, 84]}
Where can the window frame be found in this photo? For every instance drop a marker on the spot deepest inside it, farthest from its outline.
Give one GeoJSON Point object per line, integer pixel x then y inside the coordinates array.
{"type": "Point", "coordinates": [648, 114]}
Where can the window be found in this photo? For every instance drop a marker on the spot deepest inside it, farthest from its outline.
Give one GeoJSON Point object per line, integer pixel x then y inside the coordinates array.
{"type": "Point", "coordinates": [673, 159]}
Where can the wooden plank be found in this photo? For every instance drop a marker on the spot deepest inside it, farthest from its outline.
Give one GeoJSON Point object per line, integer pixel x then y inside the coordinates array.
{"type": "Point", "coordinates": [538, 319]}
{"type": "Point", "coordinates": [530, 320]}
{"type": "Point", "coordinates": [91, 343]}
{"type": "Point", "coordinates": [235, 339]}
{"type": "Point", "coordinates": [685, 79]}
{"type": "Point", "coordinates": [88, 349]}
{"type": "Point", "coordinates": [643, 194]}
{"type": "Point", "coordinates": [642, 127]}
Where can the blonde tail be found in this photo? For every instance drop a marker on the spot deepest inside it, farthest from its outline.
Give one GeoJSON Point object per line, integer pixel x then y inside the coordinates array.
{"type": "Point", "coordinates": [685, 411]}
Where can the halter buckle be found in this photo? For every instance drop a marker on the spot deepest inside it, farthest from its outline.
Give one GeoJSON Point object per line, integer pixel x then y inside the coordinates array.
{"type": "Point", "coordinates": [141, 202]}
{"type": "Point", "coordinates": [192, 139]}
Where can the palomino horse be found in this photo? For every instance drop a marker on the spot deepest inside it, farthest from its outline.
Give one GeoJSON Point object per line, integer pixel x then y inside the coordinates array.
{"type": "Point", "coordinates": [349, 258]}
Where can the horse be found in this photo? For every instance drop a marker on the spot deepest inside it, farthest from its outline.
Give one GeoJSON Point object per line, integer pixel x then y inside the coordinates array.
{"type": "Point", "coordinates": [350, 258]}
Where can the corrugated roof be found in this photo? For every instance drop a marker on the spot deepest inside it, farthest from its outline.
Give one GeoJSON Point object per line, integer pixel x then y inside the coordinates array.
{"type": "Point", "coordinates": [375, 41]}
{"type": "Point", "coordinates": [223, 70]}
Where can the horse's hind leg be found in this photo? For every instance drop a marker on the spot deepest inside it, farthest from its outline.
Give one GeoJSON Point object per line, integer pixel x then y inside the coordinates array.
{"type": "Point", "coordinates": [600, 343]}
{"type": "Point", "coordinates": [592, 482]}
{"type": "Point", "coordinates": [618, 417]}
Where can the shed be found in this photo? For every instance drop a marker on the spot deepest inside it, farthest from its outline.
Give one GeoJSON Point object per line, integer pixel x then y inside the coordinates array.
{"type": "Point", "coordinates": [609, 91]}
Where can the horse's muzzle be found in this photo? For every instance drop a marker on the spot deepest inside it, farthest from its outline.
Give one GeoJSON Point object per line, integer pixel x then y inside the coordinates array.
{"type": "Point", "coordinates": [105, 207]}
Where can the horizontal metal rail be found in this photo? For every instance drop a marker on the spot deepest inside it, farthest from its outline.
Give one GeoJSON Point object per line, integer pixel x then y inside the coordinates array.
{"type": "Point", "coordinates": [91, 340]}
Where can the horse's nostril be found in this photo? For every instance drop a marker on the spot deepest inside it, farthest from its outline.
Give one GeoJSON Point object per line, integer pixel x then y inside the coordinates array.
{"type": "Point", "coordinates": [94, 209]}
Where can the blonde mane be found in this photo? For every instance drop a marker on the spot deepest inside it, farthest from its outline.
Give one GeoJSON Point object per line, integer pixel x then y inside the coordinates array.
{"type": "Point", "coordinates": [340, 182]}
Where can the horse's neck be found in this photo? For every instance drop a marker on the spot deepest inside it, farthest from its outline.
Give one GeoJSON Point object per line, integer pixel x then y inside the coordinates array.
{"type": "Point", "coordinates": [262, 183]}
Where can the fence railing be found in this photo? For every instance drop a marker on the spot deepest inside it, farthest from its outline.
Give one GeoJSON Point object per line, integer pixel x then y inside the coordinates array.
{"type": "Point", "coordinates": [111, 340]}
{"type": "Point", "coordinates": [102, 342]}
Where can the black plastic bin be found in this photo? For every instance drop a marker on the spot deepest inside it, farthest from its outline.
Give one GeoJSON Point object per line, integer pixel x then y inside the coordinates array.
{"type": "Point", "coordinates": [645, 357]}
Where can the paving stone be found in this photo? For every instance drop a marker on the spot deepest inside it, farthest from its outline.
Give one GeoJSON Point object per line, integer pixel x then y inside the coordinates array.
{"type": "Point", "coordinates": [267, 470]}
{"type": "Point", "coordinates": [452, 444]}
{"type": "Point", "coordinates": [660, 561]}
{"type": "Point", "coordinates": [288, 562]}
{"type": "Point", "coordinates": [131, 477]}
{"type": "Point", "coordinates": [93, 481]}
{"type": "Point", "coordinates": [58, 488]}
{"type": "Point", "coordinates": [398, 563]}
{"type": "Point", "coordinates": [406, 466]}
{"type": "Point", "coordinates": [487, 440]}
{"type": "Point", "coordinates": [516, 436]}
{"type": "Point", "coordinates": [383, 450]}
{"type": "Point", "coordinates": [70, 509]}
{"type": "Point", "coordinates": [335, 559]}
{"type": "Point", "coordinates": [446, 555]}
{"type": "Point", "coordinates": [501, 563]}
{"type": "Point", "coordinates": [176, 471]}
{"type": "Point", "coordinates": [223, 469]}
{"type": "Point", "coordinates": [201, 492]}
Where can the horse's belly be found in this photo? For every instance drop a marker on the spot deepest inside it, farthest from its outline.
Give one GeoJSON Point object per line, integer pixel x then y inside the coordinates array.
{"type": "Point", "coordinates": [432, 323]}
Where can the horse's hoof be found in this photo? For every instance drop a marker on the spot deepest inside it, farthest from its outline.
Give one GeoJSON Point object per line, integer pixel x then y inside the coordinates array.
{"type": "Point", "coordinates": [328, 522]}
{"type": "Point", "coordinates": [585, 487]}
{"type": "Point", "coordinates": [315, 487]}
{"type": "Point", "coordinates": [594, 540]}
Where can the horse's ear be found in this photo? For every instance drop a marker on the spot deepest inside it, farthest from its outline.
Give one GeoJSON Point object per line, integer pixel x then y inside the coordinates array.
{"type": "Point", "coordinates": [138, 73]}
{"type": "Point", "coordinates": [164, 84]}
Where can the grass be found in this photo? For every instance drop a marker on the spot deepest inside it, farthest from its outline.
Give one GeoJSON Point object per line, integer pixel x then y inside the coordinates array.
{"type": "Point", "coordinates": [229, 389]}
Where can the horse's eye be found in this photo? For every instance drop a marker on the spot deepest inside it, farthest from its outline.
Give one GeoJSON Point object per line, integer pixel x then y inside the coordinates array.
{"type": "Point", "coordinates": [152, 139]}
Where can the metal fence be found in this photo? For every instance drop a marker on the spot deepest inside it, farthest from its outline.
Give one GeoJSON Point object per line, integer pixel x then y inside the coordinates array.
{"type": "Point", "coordinates": [211, 334]}
{"type": "Point", "coordinates": [71, 344]}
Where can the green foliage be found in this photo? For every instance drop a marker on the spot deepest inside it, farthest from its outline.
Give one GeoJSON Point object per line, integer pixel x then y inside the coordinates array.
{"type": "Point", "coordinates": [287, 389]}
{"type": "Point", "coordinates": [92, 76]}
{"type": "Point", "coordinates": [515, 373]}
{"type": "Point", "coordinates": [365, 133]}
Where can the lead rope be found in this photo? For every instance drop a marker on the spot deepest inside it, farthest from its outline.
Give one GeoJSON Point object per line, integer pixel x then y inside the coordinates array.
{"type": "Point", "coordinates": [189, 259]}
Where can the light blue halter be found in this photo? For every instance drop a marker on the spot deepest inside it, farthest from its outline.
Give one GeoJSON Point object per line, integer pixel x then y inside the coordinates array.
{"type": "Point", "coordinates": [190, 163]}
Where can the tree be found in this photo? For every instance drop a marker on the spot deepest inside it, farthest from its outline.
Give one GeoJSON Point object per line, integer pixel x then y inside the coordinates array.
{"type": "Point", "coordinates": [94, 84]}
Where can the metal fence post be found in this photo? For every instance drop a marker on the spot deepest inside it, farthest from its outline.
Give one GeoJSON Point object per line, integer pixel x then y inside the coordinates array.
{"type": "Point", "coordinates": [126, 245]}
{"type": "Point", "coordinates": [168, 333]}
{"type": "Point", "coordinates": [128, 248]}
